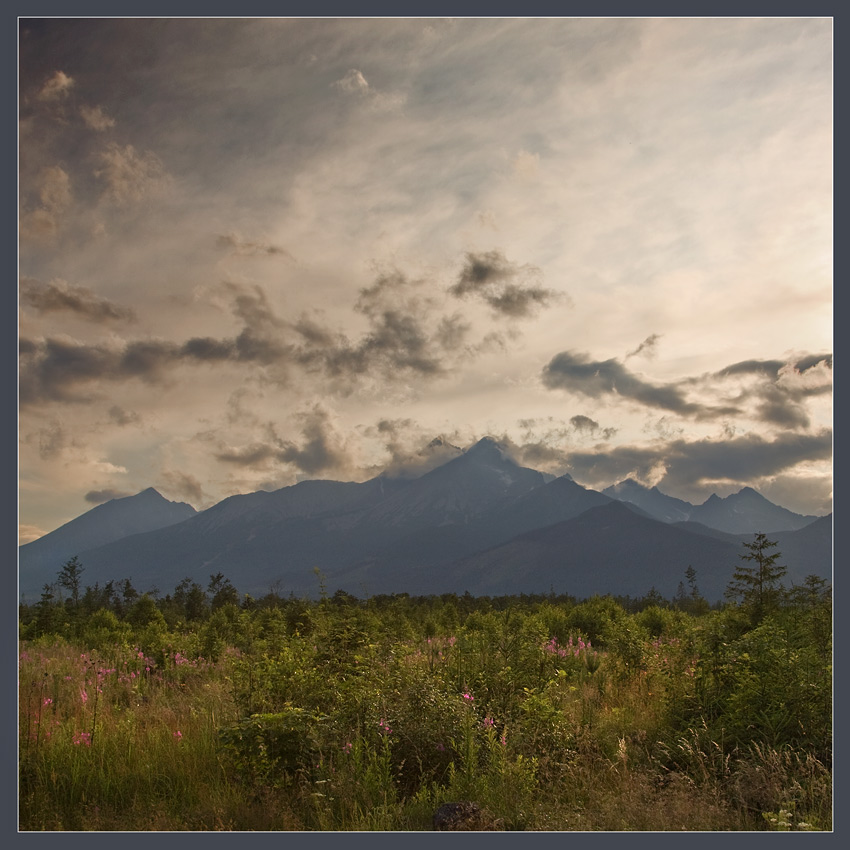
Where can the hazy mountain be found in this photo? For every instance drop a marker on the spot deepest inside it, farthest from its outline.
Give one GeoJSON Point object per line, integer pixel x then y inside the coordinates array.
{"type": "Point", "coordinates": [613, 549]}
{"type": "Point", "coordinates": [477, 521]}
{"type": "Point", "coordinates": [747, 511]}
{"type": "Point", "coordinates": [458, 491]}
{"type": "Point", "coordinates": [113, 520]}
{"type": "Point", "coordinates": [806, 551]}
{"type": "Point", "coordinates": [651, 499]}
{"type": "Point", "coordinates": [743, 512]}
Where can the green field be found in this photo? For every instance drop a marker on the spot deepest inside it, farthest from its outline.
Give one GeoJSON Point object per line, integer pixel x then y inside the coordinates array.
{"type": "Point", "coordinates": [201, 710]}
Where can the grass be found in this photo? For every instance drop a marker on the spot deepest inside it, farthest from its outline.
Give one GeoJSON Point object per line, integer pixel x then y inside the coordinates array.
{"type": "Point", "coordinates": [291, 732]}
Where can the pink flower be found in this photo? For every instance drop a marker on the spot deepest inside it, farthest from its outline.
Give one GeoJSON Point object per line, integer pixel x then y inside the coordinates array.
{"type": "Point", "coordinates": [469, 697]}
{"type": "Point", "coordinates": [48, 701]}
{"type": "Point", "coordinates": [488, 722]}
{"type": "Point", "coordinates": [84, 696]}
{"type": "Point", "coordinates": [82, 738]}
{"type": "Point", "coordinates": [346, 748]}
{"type": "Point", "coordinates": [178, 734]}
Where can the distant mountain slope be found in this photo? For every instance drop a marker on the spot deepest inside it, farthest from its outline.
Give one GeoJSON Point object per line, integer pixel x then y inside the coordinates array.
{"type": "Point", "coordinates": [613, 549]}
{"type": "Point", "coordinates": [113, 520]}
{"type": "Point", "coordinates": [458, 491]}
{"type": "Point", "coordinates": [478, 521]}
{"type": "Point", "coordinates": [651, 499]}
{"type": "Point", "coordinates": [747, 511]}
{"type": "Point", "coordinates": [807, 551]}
{"type": "Point", "coordinates": [608, 549]}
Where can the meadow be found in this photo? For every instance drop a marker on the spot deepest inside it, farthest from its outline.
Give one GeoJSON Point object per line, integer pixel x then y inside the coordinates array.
{"type": "Point", "coordinates": [203, 710]}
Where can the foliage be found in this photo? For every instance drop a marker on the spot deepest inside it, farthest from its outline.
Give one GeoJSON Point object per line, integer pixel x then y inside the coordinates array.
{"type": "Point", "coordinates": [198, 711]}
{"type": "Point", "coordinates": [758, 588]}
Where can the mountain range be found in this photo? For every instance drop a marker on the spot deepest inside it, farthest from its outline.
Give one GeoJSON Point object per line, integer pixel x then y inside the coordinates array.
{"type": "Point", "coordinates": [477, 522]}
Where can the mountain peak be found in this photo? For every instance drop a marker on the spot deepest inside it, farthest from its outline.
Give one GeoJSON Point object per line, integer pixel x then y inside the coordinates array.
{"type": "Point", "coordinates": [150, 492]}
{"type": "Point", "coordinates": [486, 447]}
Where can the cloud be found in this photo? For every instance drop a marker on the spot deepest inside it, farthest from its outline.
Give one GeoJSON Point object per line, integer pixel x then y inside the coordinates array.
{"type": "Point", "coordinates": [54, 193]}
{"type": "Point", "coordinates": [320, 451]}
{"type": "Point", "coordinates": [576, 372]}
{"type": "Point", "coordinates": [245, 248]}
{"type": "Point", "coordinates": [96, 119]}
{"type": "Point", "coordinates": [682, 465]}
{"type": "Point", "coordinates": [182, 486]}
{"type": "Point", "coordinates": [586, 425]}
{"type": "Point", "coordinates": [123, 417]}
{"type": "Point", "coordinates": [59, 295]}
{"type": "Point", "coordinates": [779, 388]}
{"type": "Point", "coordinates": [410, 456]}
{"type": "Point", "coordinates": [770, 391]}
{"type": "Point", "coordinates": [52, 440]}
{"type": "Point", "coordinates": [27, 533]}
{"type": "Point", "coordinates": [526, 164]}
{"type": "Point", "coordinates": [130, 176]}
{"type": "Point", "coordinates": [492, 278]}
{"type": "Point", "coordinates": [56, 87]}
{"type": "Point", "coordinates": [355, 84]}
{"type": "Point", "coordinates": [647, 347]}
{"type": "Point", "coordinates": [352, 83]}
{"type": "Point", "coordinates": [98, 497]}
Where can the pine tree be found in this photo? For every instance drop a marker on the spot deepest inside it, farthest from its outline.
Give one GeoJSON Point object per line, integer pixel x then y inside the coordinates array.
{"type": "Point", "coordinates": [69, 578]}
{"type": "Point", "coordinates": [758, 587]}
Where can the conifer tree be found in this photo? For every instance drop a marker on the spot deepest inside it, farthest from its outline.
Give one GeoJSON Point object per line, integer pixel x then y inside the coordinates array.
{"type": "Point", "coordinates": [758, 587]}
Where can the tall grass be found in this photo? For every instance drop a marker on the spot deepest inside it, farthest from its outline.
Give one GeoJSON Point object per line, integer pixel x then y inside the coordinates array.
{"type": "Point", "coordinates": [342, 722]}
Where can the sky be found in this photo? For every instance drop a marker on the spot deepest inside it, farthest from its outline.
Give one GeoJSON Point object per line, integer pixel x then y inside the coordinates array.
{"type": "Point", "coordinates": [257, 251]}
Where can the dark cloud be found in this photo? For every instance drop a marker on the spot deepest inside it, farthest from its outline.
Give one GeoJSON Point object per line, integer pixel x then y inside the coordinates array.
{"type": "Point", "coordinates": [247, 248]}
{"type": "Point", "coordinates": [773, 391]}
{"type": "Point", "coordinates": [590, 427]}
{"type": "Point", "coordinates": [123, 417]}
{"type": "Point", "coordinates": [406, 335]}
{"type": "Point", "coordinates": [321, 450]}
{"type": "Point", "coordinates": [502, 284]}
{"type": "Point", "coordinates": [647, 347]}
{"type": "Point", "coordinates": [409, 455]}
{"type": "Point", "coordinates": [682, 464]}
{"type": "Point", "coordinates": [780, 388]}
{"type": "Point", "coordinates": [181, 485]}
{"type": "Point", "coordinates": [98, 497]}
{"type": "Point", "coordinates": [52, 440]}
{"type": "Point", "coordinates": [576, 372]}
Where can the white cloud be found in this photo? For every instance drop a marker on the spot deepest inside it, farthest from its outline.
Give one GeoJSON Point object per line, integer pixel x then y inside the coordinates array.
{"type": "Point", "coordinates": [95, 118]}
{"type": "Point", "coordinates": [130, 176]}
{"type": "Point", "coordinates": [353, 83]}
{"type": "Point", "coordinates": [58, 86]}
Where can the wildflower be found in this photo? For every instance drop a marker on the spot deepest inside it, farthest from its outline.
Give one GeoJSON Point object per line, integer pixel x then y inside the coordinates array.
{"type": "Point", "coordinates": [82, 738]}
{"type": "Point", "coordinates": [48, 701]}
{"type": "Point", "coordinates": [84, 696]}
{"type": "Point", "coordinates": [488, 722]}
{"type": "Point", "coordinates": [178, 734]}
{"type": "Point", "coordinates": [469, 697]}
{"type": "Point", "coordinates": [346, 747]}
{"type": "Point", "coordinates": [384, 727]}
{"type": "Point", "coordinates": [441, 748]}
